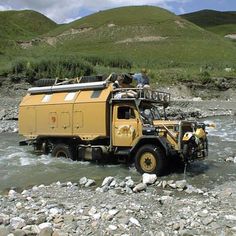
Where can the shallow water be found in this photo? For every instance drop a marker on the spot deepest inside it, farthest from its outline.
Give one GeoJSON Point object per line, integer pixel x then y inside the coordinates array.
{"type": "Point", "coordinates": [21, 168]}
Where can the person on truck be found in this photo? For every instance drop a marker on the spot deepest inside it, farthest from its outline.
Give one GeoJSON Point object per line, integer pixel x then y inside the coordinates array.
{"type": "Point", "coordinates": [142, 78]}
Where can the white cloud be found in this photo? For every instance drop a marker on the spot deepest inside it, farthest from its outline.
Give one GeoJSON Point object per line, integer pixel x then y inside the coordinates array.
{"type": "Point", "coordinates": [65, 10]}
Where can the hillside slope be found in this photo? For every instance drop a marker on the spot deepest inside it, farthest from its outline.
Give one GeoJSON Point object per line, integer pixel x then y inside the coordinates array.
{"type": "Point", "coordinates": [24, 24]}
{"type": "Point", "coordinates": [147, 35]}
{"type": "Point", "coordinates": [221, 23]}
{"type": "Point", "coordinates": [129, 37]}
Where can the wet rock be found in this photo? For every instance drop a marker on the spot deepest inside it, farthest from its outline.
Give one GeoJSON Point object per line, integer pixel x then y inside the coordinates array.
{"type": "Point", "coordinates": [89, 183]}
{"type": "Point", "coordinates": [149, 178]}
{"type": "Point", "coordinates": [83, 181]}
{"type": "Point", "coordinates": [107, 181]}
{"type": "Point", "coordinates": [140, 187]}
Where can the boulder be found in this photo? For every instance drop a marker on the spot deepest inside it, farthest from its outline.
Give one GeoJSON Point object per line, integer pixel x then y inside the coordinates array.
{"type": "Point", "coordinates": [149, 178]}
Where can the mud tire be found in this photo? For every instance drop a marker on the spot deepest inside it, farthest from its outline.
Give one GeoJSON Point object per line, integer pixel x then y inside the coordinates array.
{"type": "Point", "coordinates": [62, 150]}
{"type": "Point", "coordinates": [150, 159]}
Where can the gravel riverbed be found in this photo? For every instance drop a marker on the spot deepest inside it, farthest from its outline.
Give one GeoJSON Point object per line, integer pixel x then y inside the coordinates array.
{"type": "Point", "coordinates": [162, 208]}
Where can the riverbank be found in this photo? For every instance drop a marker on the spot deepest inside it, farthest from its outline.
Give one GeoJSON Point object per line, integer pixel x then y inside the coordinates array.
{"type": "Point", "coordinates": [163, 208]}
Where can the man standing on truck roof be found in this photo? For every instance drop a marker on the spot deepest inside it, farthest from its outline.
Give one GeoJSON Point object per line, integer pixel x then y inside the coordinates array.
{"type": "Point", "coordinates": [141, 78]}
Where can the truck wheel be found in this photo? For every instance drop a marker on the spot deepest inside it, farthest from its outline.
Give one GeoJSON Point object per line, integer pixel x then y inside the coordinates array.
{"type": "Point", "coordinates": [62, 150]}
{"type": "Point", "coordinates": [150, 159]}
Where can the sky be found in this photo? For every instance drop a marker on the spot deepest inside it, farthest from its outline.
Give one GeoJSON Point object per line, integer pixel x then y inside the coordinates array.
{"type": "Point", "coordinates": [64, 11]}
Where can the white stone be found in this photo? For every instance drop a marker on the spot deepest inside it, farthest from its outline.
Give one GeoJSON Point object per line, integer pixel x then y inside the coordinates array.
{"type": "Point", "coordinates": [112, 227]}
{"type": "Point", "coordinates": [230, 217]}
{"type": "Point", "coordinates": [19, 205]}
{"type": "Point", "coordinates": [83, 181]}
{"type": "Point", "coordinates": [234, 159]}
{"type": "Point", "coordinates": [107, 181]}
{"type": "Point", "coordinates": [45, 225]}
{"type": "Point", "coordinates": [113, 212]}
{"type": "Point", "coordinates": [89, 183]}
{"type": "Point", "coordinates": [12, 193]}
{"type": "Point", "coordinates": [17, 223]}
{"type": "Point", "coordinates": [181, 184]}
{"type": "Point", "coordinates": [130, 183]}
{"type": "Point", "coordinates": [97, 216]}
{"type": "Point", "coordinates": [134, 221]}
{"type": "Point", "coordinates": [54, 211]}
{"type": "Point", "coordinates": [149, 178]}
{"type": "Point", "coordinates": [92, 211]}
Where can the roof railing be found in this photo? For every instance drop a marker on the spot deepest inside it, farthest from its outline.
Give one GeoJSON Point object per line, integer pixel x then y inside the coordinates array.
{"type": "Point", "coordinates": [141, 93]}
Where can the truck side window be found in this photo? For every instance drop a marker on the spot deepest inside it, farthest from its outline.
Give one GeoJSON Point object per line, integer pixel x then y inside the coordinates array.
{"type": "Point", "coordinates": [122, 111]}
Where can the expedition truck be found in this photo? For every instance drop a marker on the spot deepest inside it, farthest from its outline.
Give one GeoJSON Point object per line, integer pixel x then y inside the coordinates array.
{"type": "Point", "coordinates": [91, 119]}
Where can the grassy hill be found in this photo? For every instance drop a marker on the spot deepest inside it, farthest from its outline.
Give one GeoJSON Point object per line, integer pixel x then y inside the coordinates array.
{"type": "Point", "coordinates": [127, 38]}
{"type": "Point", "coordinates": [221, 23]}
{"type": "Point", "coordinates": [18, 25]}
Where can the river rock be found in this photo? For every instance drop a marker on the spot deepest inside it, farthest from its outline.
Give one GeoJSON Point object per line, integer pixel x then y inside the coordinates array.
{"type": "Point", "coordinates": [45, 225]}
{"type": "Point", "coordinates": [112, 227]}
{"type": "Point", "coordinates": [149, 178]}
{"type": "Point", "coordinates": [17, 223]}
{"type": "Point", "coordinates": [47, 231]}
{"type": "Point", "coordinates": [3, 230]}
{"type": "Point", "coordinates": [181, 184]}
{"type": "Point", "coordinates": [140, 187]}
{"type": "Point", "coordinates": [134, 221]}
{"type": "Point", "coordinates": [83, 181]}
{"type": "Point", "coordinates": [89, 183]}
{"type": "Point", "coordinates": [129, 183]}
{"type": "Point", "coordinates": [230, 217]}
{"type": "Point", "coordinates": [107, 181]}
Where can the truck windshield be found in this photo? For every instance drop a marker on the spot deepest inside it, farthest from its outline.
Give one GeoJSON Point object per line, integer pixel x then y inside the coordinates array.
{"type": "Point", "coordinates": [149, 112]}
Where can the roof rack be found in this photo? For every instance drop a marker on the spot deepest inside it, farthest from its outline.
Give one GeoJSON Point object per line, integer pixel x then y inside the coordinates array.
{"type": "Point", "coordinates": [68, 87]}
{"type": "Point", "coordinates": [142, 94]}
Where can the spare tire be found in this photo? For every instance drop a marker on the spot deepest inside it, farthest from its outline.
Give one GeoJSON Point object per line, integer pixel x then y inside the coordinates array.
{"type": "Point", "coordinates": [44, 82]}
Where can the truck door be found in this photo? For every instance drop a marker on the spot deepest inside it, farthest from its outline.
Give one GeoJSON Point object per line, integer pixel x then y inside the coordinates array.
{"type": "Point", "coordinates": [125, 127]}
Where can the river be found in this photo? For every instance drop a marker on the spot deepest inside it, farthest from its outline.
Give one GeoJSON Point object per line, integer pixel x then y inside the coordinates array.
{"type": "Point", "coordinates": [20, 167]}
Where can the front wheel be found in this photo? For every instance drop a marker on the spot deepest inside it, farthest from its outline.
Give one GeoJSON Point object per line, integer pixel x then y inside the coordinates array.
{"type": "Point", "coordinates": [150, 159]}
{"type": "Point", "coordinates": [62, 150]}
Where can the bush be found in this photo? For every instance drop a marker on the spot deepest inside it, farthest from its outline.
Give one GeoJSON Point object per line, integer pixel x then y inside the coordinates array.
{"type": "Point", "coordinates": [68, 67]}
{"type": "Point", "coordinates": [205, 77]}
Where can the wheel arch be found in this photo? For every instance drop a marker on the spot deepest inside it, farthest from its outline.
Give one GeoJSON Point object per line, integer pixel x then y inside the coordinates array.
{"type": "Point", "coordinates": [157, 141]}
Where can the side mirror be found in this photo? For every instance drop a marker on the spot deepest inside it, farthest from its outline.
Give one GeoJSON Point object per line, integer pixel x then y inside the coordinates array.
{"type": "Point", "coordinates": [127, 115]}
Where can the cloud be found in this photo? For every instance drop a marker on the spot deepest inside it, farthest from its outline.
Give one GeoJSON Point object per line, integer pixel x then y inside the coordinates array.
{"type": "Point", "coordinates": [65, 10]}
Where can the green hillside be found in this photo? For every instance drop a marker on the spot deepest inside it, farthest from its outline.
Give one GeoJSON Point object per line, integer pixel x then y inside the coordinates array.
{"type": "Point", "coordinates": [18, 25]}
{"type": "Point", "coordinates": [221, 23]}
{"type": "Point", "coordinates": [126, 38]}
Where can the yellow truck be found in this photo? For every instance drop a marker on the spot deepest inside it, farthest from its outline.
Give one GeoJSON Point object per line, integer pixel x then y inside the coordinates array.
{"type": "Point", "coordinates": [91, 119]}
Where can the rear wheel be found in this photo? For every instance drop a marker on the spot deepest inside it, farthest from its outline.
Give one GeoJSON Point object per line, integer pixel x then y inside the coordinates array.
{"type": "Point", "coordinates": [62, 150]}
{"type": "Point", "coordinates": [150, 159]}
